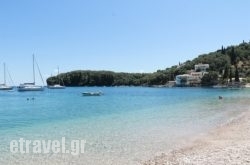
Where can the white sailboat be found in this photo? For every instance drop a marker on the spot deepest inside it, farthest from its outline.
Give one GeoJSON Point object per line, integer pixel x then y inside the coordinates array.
{"type": "Point", "coordinates": [30, 86]}
{"type": "Point", "coordinates": [4, 86]}
{"type": "Point", "coordinates": [57, 86]}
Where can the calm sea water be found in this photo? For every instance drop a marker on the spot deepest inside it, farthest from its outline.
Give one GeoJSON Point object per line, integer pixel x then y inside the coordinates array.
{"type": "Point", "coordinates": [124, 126]}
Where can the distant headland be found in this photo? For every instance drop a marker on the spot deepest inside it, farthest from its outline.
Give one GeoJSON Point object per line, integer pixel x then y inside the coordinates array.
{"type": "Point", "coordinates": [226, 65]}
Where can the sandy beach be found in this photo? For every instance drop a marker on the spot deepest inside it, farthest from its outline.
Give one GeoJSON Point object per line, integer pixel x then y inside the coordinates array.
{"type": "Point", "coordinates": [228, 144]}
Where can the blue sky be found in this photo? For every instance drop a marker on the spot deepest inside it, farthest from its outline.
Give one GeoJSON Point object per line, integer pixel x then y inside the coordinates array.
{"type": "Point", "coordinates": [128, 35]}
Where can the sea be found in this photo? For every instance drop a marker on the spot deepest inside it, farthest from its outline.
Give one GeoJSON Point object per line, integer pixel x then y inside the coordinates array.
{"type": "Point", "coordinates": [125, 125]}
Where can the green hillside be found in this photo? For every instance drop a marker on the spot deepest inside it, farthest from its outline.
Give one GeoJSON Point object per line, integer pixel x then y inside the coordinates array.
{"type": "Point", "coordinates": [225, 63]}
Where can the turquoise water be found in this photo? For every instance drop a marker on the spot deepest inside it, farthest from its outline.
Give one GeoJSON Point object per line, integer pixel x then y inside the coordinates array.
{"type": "Point", "coordinates": [124, 126]}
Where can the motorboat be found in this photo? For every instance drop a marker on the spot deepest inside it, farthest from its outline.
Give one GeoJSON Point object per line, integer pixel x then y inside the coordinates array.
{"type": "Point", "coordinates": [56, 86]}
{"type": "Point", "coordinates": [92, 93]}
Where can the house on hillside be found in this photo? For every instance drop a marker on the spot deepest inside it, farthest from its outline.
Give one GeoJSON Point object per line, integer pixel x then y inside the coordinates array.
{"type": "Point", "coordinates": [201, 67]}
{"type": "Point", "coordinates": [193, 78]}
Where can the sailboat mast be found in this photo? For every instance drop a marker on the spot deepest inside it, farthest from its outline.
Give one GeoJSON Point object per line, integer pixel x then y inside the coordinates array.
{"type": "Point", "coordinates": [34, 78]}
{"type": "Point", "coordinates": [4, 74]}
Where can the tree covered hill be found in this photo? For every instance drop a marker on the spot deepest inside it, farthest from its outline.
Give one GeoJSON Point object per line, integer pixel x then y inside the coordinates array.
{"type": "Point", "coordinates": [226, 62]}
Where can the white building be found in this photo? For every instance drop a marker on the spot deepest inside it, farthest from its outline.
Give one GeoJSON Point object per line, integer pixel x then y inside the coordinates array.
{"type": "Point", "coordinates": [184, 80]}
{"type": "Point", "coordinates": [193, 78]}
{"type": "Point", "coordinates": [201, 67]}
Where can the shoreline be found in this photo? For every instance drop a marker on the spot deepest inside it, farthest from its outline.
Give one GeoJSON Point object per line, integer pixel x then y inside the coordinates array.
{"type": "Point", "coordinates": [225, 144]}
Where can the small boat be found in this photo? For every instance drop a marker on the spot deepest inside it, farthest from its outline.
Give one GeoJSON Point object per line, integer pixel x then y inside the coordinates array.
{"type": "Point", "coordinates": [92, 93]}
{"type": "Point", "coordinates": [220, 86]}
{"type": "Point", "coordinates": [56, 86]}
{"type": "Point", "coordinates": [31, 86]}
{"type": "Point", "coordinates": [4, 86]}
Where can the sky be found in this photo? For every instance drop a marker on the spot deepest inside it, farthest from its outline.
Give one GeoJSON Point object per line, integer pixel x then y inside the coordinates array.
{"type": "Point", "coordinates": [117, 35]}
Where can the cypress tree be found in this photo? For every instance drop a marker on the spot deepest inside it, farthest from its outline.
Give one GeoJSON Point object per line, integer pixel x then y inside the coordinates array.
{"type": "Point", "coordinates": [223, 50]}
{"type": "Point", "coordinates": [237, 79]}
{"type": "Point", "coordinates": [230, 74]}
{"type": "Point", "coordinates": [233, 56]}
{"type": "Point", "coordinates": [225, 75]}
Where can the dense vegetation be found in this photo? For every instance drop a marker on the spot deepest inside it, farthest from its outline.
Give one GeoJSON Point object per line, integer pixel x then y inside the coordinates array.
{"type": "Point", "coordinates": [98, 78]}
{"type": "Point", "coordinates": [225, 63]}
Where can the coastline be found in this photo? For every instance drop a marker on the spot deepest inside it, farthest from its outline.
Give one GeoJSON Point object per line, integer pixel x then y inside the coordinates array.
{"type": "Point", "coordinates": [226, 144]}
